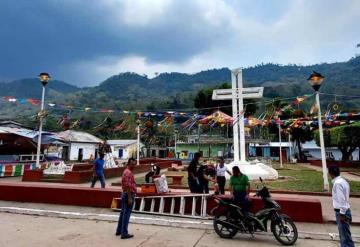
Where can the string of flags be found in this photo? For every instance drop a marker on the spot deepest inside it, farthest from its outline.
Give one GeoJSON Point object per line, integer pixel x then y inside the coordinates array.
{"type": "Point", "coordinates": [36, 102]}
{"type": "Point", "coordinates": [296, 102]}
{"type": "Point", "coordinates": [189, 120]}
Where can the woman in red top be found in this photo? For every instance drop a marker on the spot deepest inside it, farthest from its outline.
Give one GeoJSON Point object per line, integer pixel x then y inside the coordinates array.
{"type": "Point", "coordinates": [127, 200]}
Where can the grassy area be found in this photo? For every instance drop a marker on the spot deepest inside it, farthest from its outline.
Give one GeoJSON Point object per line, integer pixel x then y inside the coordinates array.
{"type": "Point", "coordinates": [292, 178]}
{"type": "Point", "coordinates": [300, 178]}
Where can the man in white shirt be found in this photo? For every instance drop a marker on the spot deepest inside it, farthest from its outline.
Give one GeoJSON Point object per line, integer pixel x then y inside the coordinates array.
{"type": "Point", "coordinates": [340, 197]}
{"type": "Point", "coordinates": [221, 169]}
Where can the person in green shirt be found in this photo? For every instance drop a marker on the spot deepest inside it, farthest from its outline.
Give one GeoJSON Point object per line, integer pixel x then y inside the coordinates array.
{"type": "Point", "coordinates": [240, 188]}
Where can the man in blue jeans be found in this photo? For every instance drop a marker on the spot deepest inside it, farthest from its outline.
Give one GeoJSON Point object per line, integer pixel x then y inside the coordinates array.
{"type": "Point", "coordinates": [340, 197]}
{"type": "Point", "coordinates": [99, 171]}
{"type": "Point", "coordinates": [127, 199]}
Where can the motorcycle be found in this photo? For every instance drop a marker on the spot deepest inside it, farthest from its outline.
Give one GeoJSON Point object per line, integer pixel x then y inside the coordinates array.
{"type": "Point", "coordinates": [229, 219]}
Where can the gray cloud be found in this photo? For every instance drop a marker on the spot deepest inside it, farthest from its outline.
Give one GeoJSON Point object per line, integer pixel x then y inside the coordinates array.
{"type": "Point", "coordinates": [86, 41]}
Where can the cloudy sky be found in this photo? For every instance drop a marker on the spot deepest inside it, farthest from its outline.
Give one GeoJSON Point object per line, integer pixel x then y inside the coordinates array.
{"type": "Point", "coordinates": [86, 41]}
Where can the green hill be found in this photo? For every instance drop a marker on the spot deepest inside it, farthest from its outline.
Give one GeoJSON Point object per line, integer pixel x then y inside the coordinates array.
{"type": "Point", "coordinates": [31, 88]}
{"type": "Point", "coordinates": [177, 90]}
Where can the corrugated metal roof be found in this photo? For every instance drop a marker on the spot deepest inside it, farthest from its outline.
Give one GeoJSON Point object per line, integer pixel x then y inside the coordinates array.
{"type": "Point", "coordinates": [121, 142]}
{"type": "Point", "coordinates": [46, 138]}
{"type": "Point", "coordinates": [273, 144]}
{"type": "Point", "coordinates": [19, 131]}
{"type": "Point", "coordinates": [310, 145]}
{"type": "Point", "coordinates": [78, 136]}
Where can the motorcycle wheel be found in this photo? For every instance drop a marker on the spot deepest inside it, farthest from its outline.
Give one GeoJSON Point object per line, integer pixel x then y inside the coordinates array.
{"type": "Point", "coordinates": [285, 232]}
{"type": "Point", "coordinates": [223, 231]}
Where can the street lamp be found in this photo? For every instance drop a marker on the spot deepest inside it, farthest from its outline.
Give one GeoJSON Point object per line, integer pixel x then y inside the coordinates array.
{"type": "Point", "coordinates": [175, 137]}
{"type": "Point", "coordinates": [278, 121]}
{"type": "Point", "coordinates": [44, 79]}
{"type": "Point", "coordinates": [316, 80]}
{"type": "Point", "coordinates": [138, 123]}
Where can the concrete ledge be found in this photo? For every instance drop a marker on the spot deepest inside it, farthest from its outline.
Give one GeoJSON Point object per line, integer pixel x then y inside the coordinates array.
{"type": "Point", "coordinates": [83, 173]}
{"type": "Point", "coordinates": [52, 194]}
{"type": "Point", "coordinates": [303, 210]}
{"type": "Point", "coordinates": [32, 175]}
{"type": "Point", "coordinates": [300, 209]}
{"type": "Point", "coordinates": [338, 163]}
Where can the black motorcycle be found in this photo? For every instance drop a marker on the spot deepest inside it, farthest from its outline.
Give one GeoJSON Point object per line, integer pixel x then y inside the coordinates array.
{"type": "Point", "coordinates": [229, 219]}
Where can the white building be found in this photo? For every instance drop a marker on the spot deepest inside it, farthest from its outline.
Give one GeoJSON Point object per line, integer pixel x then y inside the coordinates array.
{"type": "Point", "coordinates": [123, 149]}
{"type": "Point", "coordinates": [80, 145]}
{"type": "Point", "coordinates": [272, 150]}
{"type": "Point", "coordinates": [314, 150]}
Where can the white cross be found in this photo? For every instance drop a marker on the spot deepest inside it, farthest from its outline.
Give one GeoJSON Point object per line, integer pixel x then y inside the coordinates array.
{"type": "Point", "coordinates": [237, 93]}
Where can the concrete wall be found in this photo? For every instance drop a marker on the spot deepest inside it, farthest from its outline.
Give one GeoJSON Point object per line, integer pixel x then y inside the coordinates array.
{"type": "Point", "coordinates": [88, 149]}
{"type": "Point", "coordinates": [336, 153]}
{"type": "Point", "coordinates": [185, 149]}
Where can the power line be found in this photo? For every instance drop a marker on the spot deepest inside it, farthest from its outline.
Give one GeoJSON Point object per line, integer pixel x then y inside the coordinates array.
{"type": "Point", "coordinates": [341, 95]}
{"type": "Point", "coordinates": [82, 109]}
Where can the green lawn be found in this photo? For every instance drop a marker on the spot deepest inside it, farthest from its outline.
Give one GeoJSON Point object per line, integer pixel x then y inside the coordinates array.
{"type": "Point", "coordinates": [300, 178]}
{"type": "Point", "coordinates": [292, 178]}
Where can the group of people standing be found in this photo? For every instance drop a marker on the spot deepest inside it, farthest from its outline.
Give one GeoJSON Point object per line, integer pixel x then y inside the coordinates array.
{"type": "Point", "coordinates": [200, 175]}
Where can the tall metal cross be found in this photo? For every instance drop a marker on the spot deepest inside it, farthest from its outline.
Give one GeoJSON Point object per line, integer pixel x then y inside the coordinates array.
{"type": "Point", "coordinates": [237, 93]}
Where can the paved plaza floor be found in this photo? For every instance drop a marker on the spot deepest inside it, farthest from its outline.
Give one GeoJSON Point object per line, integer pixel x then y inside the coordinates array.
{"type": "Point", "coordinates": [33, 224]}
{"type": "Point", "coordinates": [19, 230]}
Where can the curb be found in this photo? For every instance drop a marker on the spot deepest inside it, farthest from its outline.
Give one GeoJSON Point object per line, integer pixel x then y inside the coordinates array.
{"type": "Point", "coordinates": [158, 221]}
{"type": "Point", "coordinates": [305, 193]}
{"type": "Point", "coordinates": [334, 222]}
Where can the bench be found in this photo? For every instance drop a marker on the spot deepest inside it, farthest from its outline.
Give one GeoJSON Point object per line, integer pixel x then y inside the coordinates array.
{"type": "Point", "coordinates": [176, 179]}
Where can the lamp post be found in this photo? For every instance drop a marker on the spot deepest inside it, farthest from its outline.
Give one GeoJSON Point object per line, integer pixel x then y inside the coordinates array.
{"type": "Point", "coordinates": [278, 122]}
{"type": "Point", "coordinates": [280, 151]}
{"type": "Point", "coordinates": [138, 122]}
{"type": "Point", "coordinates": [290, 147]}
{"type": "Point", "coordinates": [44, 79]}
{"type": "Point", "coordinates": [316, 80]}
{"type": "Point", "coordinates": [175, 140]}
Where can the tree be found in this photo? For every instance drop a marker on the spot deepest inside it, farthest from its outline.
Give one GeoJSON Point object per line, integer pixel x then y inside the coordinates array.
{"type": "Point", "coordinates": [301, 133]}
{"type": "Point", "coordinates": [346, 138]}
{"type": "Point", "coordinates": [275, 106]}
{"type": "Point", "coordinates": [203, 101]}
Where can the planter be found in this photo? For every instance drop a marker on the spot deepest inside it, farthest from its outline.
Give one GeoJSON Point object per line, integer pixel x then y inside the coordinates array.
{"type": "Point", "coordinates": [32, 175]}
{"type": "Point", "coordinates": [338, 163]}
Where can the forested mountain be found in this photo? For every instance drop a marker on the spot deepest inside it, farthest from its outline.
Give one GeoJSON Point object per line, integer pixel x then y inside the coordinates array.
{"type": "Point", "coordinates": [177, 90]}
{"type": "Point", "coordinates": [31, 88]}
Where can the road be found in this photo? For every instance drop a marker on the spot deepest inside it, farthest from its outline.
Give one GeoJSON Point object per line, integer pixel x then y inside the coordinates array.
{"type": "Point", "coordinates": [19, 230]}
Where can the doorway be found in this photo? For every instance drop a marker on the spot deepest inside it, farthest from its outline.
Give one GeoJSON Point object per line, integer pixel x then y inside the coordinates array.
{"type": "Point", "coordinates": [65, 153]}
{"type": "Point", "coordinates": [121, 153]}
{"type": "Point", "coordinates": [80, 154]}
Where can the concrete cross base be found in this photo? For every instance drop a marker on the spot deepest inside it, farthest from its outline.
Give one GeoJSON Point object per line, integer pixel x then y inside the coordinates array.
{"type": "Point", "coordinates": [254, 171]}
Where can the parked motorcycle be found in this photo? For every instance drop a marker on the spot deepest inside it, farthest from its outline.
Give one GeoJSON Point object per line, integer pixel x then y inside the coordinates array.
{"type": "Point", "coordinates": [229, 219]}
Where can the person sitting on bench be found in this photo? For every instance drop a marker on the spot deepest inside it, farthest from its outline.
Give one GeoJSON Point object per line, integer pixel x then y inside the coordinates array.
{"type": "Point", "coordinates": [154, 171]}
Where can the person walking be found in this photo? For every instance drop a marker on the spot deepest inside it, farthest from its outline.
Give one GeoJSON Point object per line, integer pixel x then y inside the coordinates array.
{"type": "Point", "coordinates": [98, 173]}
{"type": "Point", "coordinates": [192, 171]}
{"type": "Point", "coordinates": [127, 200]}
{"type": "Point", "coordinates": [221, 170]}
{"type": "Point", "coordinates": [240, 188]}
{"type": "Point", "coordinates": [340, 198]}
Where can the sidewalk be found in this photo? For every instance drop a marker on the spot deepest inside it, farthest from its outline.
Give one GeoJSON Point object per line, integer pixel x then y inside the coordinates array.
{"type": "Point", "coordinates": [96, 227]}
